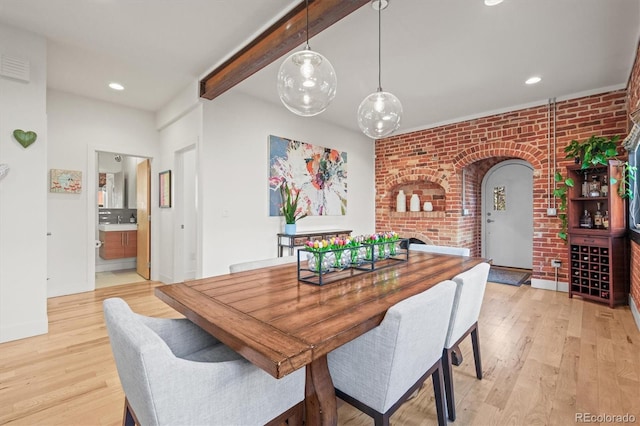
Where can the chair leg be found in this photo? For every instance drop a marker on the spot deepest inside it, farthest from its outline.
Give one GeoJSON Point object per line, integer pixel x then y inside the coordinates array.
{"type": "Point", "coordinates": [128, 418]}
{"type": "Point", "coordinates": [456, 356]}
{"type": "Point", "coordinates": [448, 383]}
{"type": "Point", "coordinates": [476, 351]}
{"type": "Point", "coordinates": [438, 392]}
{"type": "Point", "coordinates": [381, 419]}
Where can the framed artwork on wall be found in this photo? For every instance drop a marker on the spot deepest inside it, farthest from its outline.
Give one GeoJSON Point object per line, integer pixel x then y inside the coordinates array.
{"type": "Point", "coordinates": [66, 181]}
{"type": "Point", "coordinates": [319, 174]}
{"type": "Point", "coordinates": [165, 189]}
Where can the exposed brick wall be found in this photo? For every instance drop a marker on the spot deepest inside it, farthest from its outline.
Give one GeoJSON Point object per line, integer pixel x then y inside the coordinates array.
{"type": "Point", "coordinates": [440, 154]}
{"type": "Point", "coordinates": [633, 102]}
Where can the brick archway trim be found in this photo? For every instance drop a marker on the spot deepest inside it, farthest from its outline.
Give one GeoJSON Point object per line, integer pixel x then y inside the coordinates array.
{"type": "Point", "coordinates": [410, 175]}
{"type": "Point", "coordinates": [526, 152]}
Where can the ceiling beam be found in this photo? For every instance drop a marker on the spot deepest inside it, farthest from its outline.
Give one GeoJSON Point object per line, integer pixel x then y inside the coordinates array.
{"type": "Point", "coordinates": [278, 40]}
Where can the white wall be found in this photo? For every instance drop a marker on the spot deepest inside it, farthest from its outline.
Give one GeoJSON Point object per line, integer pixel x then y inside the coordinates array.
{"type": "Point", "coordinates": [179, 106]}
{"type": "Point", "coordinates": [182, 133]}
{"type": "Point", "coordinates": [23, 197]}
{"type": "Point", "coordinates": [78, 127]}
{"type": "Point", "coordinates": [234, 169]}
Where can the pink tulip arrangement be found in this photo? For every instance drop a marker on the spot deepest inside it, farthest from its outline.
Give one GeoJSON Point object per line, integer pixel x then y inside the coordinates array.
{"type": "Point", "coordinates": [363, 253]}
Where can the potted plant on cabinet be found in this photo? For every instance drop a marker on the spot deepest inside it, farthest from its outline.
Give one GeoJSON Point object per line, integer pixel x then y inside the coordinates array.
{"type": "Point", "coordinates": [593, 152]}
{"type": "Point", "coordinates": [290, 210]}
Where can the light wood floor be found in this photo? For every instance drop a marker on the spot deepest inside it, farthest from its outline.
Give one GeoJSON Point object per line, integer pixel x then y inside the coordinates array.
{"type": "Point", "coordinates": [111, 278]}
{"type": "Point", "coordinates": [545, 358]}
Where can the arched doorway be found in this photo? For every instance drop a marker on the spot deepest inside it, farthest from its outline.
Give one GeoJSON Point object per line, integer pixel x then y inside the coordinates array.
{"type": "Point", "coordinates": [507, 214]}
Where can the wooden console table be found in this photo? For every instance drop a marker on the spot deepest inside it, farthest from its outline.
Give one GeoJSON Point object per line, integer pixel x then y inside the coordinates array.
{"type": "Point", "coordinates": [298, 239]}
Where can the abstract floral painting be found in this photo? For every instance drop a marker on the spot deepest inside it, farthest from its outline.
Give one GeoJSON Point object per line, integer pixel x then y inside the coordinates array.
{"type": "Point", "coordinates": [318, 173]}
{"type": "Point", "coordinates": [69, 181]}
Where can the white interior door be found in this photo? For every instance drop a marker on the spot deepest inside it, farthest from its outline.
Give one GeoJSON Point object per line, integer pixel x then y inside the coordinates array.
{"type": "Point", "coordinates": [185, 255]}
{"type": "Point", "coordinates": [507, 216]}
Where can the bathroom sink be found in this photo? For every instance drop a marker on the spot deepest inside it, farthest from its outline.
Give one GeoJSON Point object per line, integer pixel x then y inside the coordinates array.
{"type": "Point", "coordinates": [107, 227]}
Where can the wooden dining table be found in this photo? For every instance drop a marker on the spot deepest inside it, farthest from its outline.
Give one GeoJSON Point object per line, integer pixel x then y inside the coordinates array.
{"type": "Point", "coordinates": [281, 324]}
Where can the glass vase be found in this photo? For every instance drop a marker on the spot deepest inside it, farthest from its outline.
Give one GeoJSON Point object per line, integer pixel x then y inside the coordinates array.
{"type": "Point", "coordinates": [318, 262]}
{"type": "Point", "coordinates": [355, 256]}
{"type": "Point", "coordinates": [393, 248]}
{"type": "Point", "coordinates": [340, 259]}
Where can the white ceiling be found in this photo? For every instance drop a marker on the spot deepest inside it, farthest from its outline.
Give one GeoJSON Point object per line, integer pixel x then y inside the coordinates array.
{"type": "Point", "coordinates": [444, 59]}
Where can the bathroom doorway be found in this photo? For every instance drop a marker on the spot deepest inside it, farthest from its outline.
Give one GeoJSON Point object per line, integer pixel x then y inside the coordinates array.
{"type": "Point", "coordinates": [118, 219]}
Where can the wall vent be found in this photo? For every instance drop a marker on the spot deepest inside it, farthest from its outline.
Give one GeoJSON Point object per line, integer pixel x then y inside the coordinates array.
{"type": "Point", "coordinates": [14, 67]}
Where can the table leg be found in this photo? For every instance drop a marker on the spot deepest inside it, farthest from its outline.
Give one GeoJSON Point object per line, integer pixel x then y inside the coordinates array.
{"type": "Point", "coordinates": [320, 397]}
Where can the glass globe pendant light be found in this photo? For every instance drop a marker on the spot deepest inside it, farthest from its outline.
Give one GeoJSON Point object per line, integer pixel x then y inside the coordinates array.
{"type": "Point", "coordinates": [306, 81]}
{"type": "Point", "coordinates": [379, 113]}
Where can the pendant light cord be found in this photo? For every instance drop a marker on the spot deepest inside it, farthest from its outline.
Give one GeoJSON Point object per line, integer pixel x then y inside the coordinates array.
{"type": "Point", "coordinates": [379, 45]}
{"type": "Point", "coordinates": [307, 31]}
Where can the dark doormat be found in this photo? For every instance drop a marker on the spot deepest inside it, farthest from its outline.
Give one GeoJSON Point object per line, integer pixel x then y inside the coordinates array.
{"type": "Point", "coordinates": [502, 275]}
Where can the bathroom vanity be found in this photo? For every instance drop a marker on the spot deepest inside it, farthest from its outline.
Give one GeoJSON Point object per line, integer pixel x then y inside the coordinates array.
{"type": "Point", "coordinates": [118, 240]}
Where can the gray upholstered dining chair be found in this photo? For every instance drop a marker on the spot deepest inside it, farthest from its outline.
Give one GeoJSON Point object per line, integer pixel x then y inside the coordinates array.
{"type": "Point", "coordinates": [428, 248]}
{"type": "Point", "coordinates": [175, 373]}
{"type": "Point", "coordinates": [255, 264]}
{"type": "Point", "coordinates": [379, 370]}
{"type": "Point", "coordinates": [470, 287]}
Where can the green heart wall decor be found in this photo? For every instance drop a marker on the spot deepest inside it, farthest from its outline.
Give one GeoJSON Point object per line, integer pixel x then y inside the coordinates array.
{"type": "Point", "coordinates": [25, 138]}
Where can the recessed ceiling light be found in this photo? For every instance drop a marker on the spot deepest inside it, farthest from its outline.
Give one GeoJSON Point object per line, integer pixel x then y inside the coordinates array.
{"type": "Point", "coordinates": [492, 2]}
{"type": "Point", "coordinates": [533, 80]}
{"type": "Point", "coordinates": [116, 86]}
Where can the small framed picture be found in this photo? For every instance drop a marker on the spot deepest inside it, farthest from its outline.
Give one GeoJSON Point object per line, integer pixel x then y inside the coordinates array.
{"type": "Point", "coordinates": [69, 181]}
{"type": "Point", "coordinates": [165, 189]}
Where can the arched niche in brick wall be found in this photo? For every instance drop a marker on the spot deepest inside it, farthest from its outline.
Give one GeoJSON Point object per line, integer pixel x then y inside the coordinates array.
{"type": "Point", "coordinates": [426, 191]}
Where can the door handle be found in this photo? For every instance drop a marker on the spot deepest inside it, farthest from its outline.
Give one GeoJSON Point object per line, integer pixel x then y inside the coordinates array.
{"type": "Point", "coordinates": [490, 220]}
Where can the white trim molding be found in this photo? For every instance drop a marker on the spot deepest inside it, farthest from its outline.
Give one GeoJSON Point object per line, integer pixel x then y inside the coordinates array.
{"type": "Point", "coordinates": [549, 285]}
{"type": "Point", "coordinates": [634, 311]}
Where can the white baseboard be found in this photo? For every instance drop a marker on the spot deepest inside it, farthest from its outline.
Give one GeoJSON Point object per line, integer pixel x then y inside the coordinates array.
{"type": "Point", "coordinates": [166, 279]}
{"type": "Point", "coordinates": [549, 285]}
{"type": "Point", "coordinates": [634, 311]}
{"type": "Point", "coordinates": [116, 265]}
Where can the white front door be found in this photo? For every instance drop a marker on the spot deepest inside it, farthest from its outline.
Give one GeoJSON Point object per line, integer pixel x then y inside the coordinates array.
{"type": "Point", "coordinates": [507, 216]}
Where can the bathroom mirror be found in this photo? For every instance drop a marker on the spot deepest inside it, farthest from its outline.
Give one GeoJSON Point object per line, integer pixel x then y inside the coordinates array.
{"type": "Point", "coordinates": [116, 181]}
{"type": "Point", "coordinates": [111, 190]}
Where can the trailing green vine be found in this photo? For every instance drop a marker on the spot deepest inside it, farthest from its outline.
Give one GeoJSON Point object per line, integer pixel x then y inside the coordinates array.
{"type": "Point", "coordinates": [628, 173]}
{"type": "Point", "coordinates": [563, 185]}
